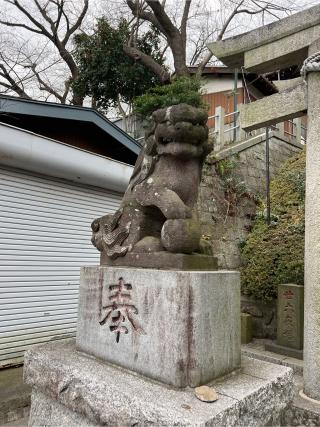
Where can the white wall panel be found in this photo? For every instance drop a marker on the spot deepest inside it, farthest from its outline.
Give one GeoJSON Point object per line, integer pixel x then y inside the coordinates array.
{"type": "Point", "coordinates": [44, 240]}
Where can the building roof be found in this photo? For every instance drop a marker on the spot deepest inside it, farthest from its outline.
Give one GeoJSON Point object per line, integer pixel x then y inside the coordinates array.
{"type": "Point", "coordinates": [263, 84]}
{"type": "Point", "coordinates": [45, 118]}
{"type": "Point", "coordinates": [23, 149]}
{"type": "Point", "coordinates": [212, 70]}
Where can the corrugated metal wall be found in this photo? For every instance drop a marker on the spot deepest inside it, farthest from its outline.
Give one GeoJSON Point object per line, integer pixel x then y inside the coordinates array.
{"type": "Point", "coordinates": [44, 240]}
{"type": "Point", "coordinates": [221, 99]}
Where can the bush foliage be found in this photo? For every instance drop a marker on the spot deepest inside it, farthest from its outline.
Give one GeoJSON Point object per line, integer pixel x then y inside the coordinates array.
{"type": "Point", "coordinates": [274, 254]}
{"type": "Point", "coordinates": [181, 90]}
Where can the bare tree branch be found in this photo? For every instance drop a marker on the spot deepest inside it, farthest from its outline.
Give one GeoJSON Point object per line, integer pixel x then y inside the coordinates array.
{"type": "Point", "coordinates": [163, 18]}
{"type": "Point", "coordinates": [260, 7]}
{"type": "Point", "coordinates": [36, 23]}
{"type": "Point", "coordinates": [51, 28]}
{"type": "Point", "coordinates": [44, 86]}
{"type": "Point", "coordinates": [13, 85]}
{"type": "Point", "coordinates": [184, 20]}
{"type": "Point", "coordinates": [144, 15]}
{"type": "Point", "coordinates": [148, 61]}
{"type": "Point", "coordinates": [78, 22]}
{"type": "Point", "coordinates": [13, 24]}
{"type": "Point", "coordinates": [176, 38]}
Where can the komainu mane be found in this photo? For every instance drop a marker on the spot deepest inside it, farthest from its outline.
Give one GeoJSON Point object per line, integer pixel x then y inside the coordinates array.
{"type": "Point", "coordinates": [156, 213]}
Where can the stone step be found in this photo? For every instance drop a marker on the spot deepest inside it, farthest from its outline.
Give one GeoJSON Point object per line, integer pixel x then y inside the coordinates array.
{"type": "Point", "coordinates": [256, 349]}
{"type": "Point", "coordinates": [301, 412]}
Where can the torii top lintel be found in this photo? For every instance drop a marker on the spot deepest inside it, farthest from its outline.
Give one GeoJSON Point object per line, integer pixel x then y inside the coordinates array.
{"type": "Point", "coordinates": [278, 45]}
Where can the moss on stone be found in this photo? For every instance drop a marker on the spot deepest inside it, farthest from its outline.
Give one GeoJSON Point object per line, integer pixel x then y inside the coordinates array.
{"type": "Point", "coordinates": [274, 254]}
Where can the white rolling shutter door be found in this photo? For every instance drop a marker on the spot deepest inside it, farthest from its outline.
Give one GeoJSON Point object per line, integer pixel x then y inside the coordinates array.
{"type": "Point", "coordinates": [44, 240]}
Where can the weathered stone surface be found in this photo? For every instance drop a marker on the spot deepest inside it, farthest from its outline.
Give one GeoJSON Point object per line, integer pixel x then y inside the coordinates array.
{"type": "Point", "coordinates": [301, 412]}
{"type": "Point", "coordinates": [256, 350]}
{"type": "Point", "coordinates": [162, 191]}
{"type": "Point", "coordinates": [312, 239]}
{"type": "Point", "coordinates": [264, 316]}
{"type": "Point", "coordinates": [181, 327]}
{"type": "Point", "coordinates": [46, 411]}
{"type": "Point", "coordinates": [286, 351]}
{"type": "Point", "coordinates": [290, 316]}
{"type": "Point", "coordinates": [69, 382]}
{"type": "Point", "coordinates": [282, 85]}
{"type": "Point", "coordinates": [163, 261]}
{"type": "Point", "coordinates": [181, 235]}
{"type": "Point", "coordinates": [224, 232]}
{"type": "Point", "coordinates": [301, 415]}
{"type": "Point", "coordinates": [279, 54]}
{"type": "Point", "coordinates": [274, 109]}
{"type": "Point", "coordinates": [246, 328]}
{"type": "Point", "coordinates": [231, 50]}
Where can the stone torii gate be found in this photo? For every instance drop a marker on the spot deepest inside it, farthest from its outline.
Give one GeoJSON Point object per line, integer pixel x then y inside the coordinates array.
{"type": "Point", "coordinates": [272, 47]}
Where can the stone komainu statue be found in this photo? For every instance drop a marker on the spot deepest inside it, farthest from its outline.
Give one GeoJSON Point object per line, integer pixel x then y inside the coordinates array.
{"type": "Point", "coordinates": [156, 213]}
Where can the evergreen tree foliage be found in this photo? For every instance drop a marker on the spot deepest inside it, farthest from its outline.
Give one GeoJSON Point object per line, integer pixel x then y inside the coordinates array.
{"type": "Point", "coordinates": [106, 72]}
{"type": "Point", "coordinates": [180, 90]}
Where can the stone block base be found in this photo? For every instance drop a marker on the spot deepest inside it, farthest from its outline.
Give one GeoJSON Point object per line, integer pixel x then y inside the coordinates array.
{"type": "Point", "coordinates": [285, 351]}
{"type": "Point", "coordinates": [178, 327]}
{"type": "Point", "coordinates": [71, 389]}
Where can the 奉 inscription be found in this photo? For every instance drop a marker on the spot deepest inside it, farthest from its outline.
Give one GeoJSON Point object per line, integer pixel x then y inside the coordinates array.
{"type": "Point", "coordinates": [120, 312]}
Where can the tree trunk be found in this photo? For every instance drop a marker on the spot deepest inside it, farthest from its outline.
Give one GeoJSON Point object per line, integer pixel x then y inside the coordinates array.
{"type": "Point", "coordinates": [67, 57]}
{"type": "Point", "coordinates": [179, 56]}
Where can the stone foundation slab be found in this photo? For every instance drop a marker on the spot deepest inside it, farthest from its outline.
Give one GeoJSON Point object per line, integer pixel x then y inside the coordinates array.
{"type": "Point", "coordinates": [178, 327]}
{"type": "Point", "coordinates": [71, 389]}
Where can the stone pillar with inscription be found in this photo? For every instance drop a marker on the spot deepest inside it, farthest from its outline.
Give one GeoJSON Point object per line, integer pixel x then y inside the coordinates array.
{"type": "Point", "coordinates": [156, 318]}
{"type": "Point", "coordinates": [289, 321]}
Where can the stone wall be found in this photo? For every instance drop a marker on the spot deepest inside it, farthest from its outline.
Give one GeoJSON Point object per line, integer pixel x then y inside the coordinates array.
{"type": "Point", "coordinates": [264, 316]}
{"type": "Point", "coordinates": [226, 224]}
{"type": "Point", "coordinates": [252, 162]}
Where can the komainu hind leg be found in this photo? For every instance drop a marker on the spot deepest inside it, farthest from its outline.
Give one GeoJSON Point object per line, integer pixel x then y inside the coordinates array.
{"type": "Point", "coordinates": [169, 203]}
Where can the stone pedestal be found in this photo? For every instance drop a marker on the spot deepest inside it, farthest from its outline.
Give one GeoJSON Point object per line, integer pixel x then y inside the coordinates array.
{"type": "Point", "coordinates": [178, 327]}
{"type": "Point", "coordinates": [289, 321]}
{"type": "Point", "coordinates": [72, 389]}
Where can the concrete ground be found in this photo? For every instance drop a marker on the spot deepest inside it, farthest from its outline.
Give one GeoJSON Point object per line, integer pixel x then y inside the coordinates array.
{"type": "Point", "coordinates": [14, 397]}
{"type": "Point", "coordinates": [22, 422]}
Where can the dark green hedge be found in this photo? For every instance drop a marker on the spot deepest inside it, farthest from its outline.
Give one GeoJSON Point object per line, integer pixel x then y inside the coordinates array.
{"type": "Point", "coordinates": [274, 254]}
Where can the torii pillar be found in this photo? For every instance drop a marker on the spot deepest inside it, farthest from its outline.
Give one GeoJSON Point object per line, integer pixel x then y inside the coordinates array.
{"type": "Point", "coordinates": [276, 46]}
{"type": "Point", "coordinates": [311, 372]}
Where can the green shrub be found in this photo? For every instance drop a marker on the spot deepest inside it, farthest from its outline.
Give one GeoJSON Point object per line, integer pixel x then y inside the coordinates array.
{"type": "Point", "coordinates": [274, 254]}
{"type": "Point", "coordinates": [181, 90]}
{"type": "Point", "coordinates": [231, 180]}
